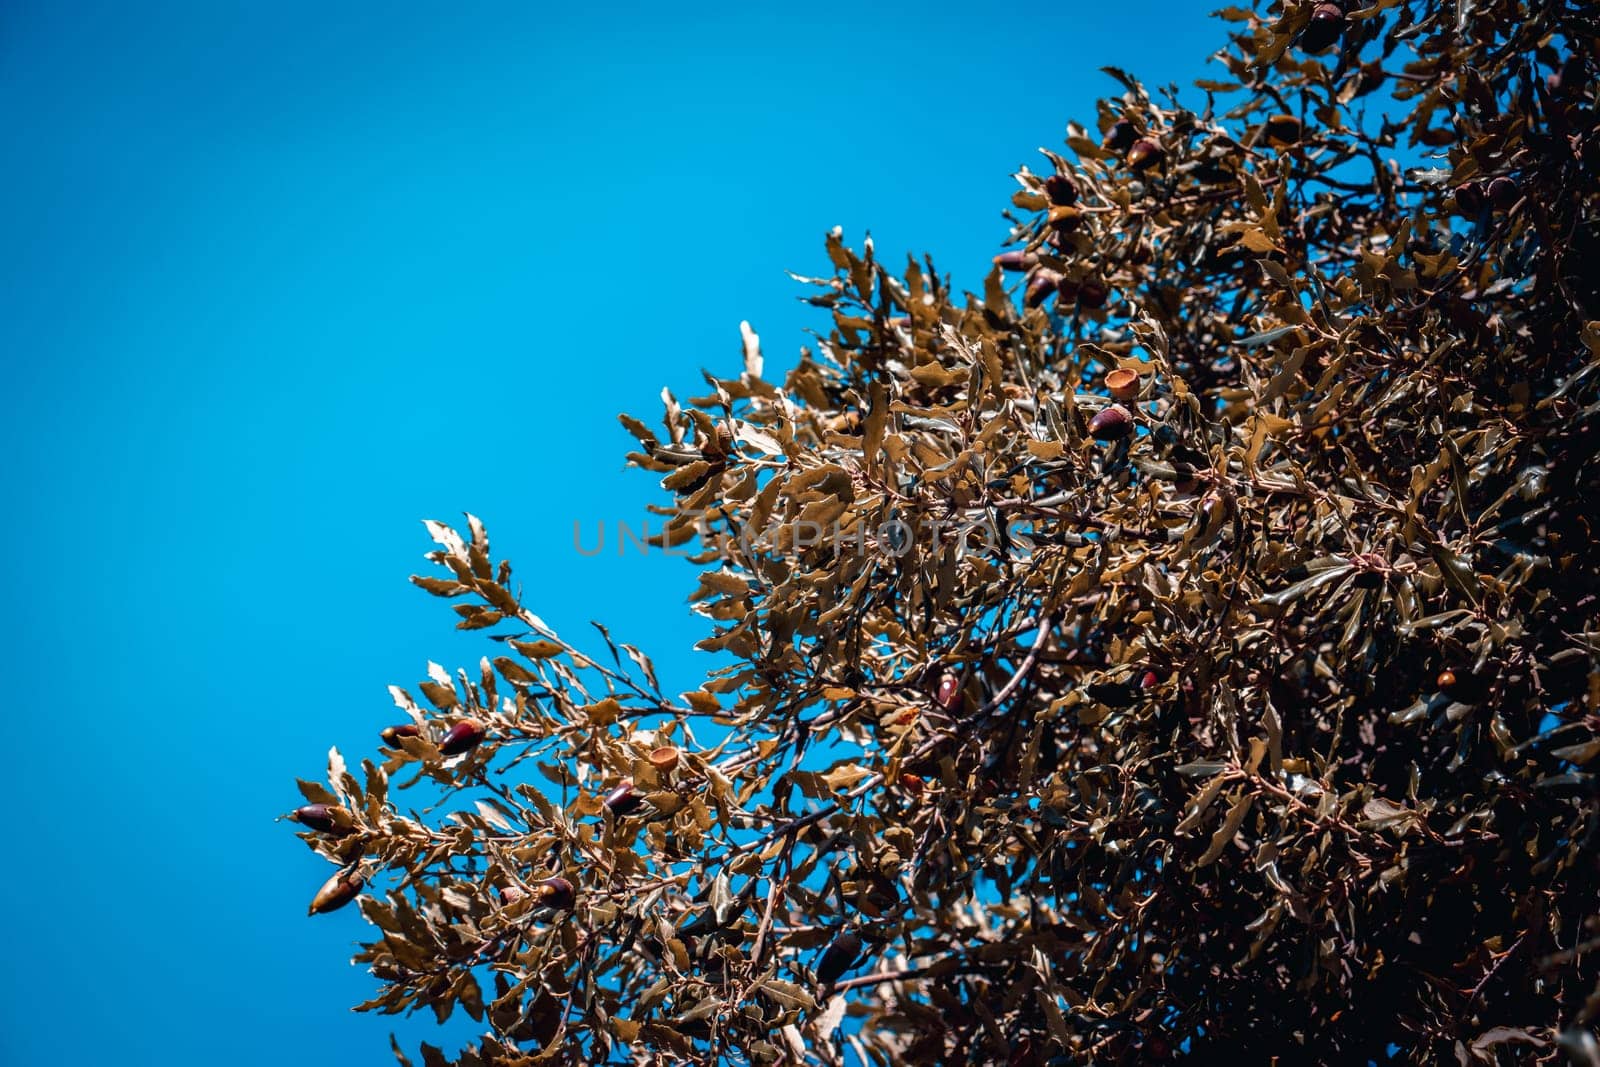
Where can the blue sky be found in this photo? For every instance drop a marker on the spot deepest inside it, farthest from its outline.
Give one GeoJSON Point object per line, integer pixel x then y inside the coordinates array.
{"type": "Point", "coordinates": [278, 281]}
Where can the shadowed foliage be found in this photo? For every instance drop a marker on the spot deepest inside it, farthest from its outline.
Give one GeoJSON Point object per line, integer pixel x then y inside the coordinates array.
{"type": "Point", "coordinates": [1184, 648]}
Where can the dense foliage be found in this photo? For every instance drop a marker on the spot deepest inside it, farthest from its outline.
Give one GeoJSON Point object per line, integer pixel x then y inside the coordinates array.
{"type": "Point", "coordinates": [1186, 647]}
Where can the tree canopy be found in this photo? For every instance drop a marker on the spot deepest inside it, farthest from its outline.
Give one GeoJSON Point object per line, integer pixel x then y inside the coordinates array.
{"type": "Point", "coordinates": [1184, 647]}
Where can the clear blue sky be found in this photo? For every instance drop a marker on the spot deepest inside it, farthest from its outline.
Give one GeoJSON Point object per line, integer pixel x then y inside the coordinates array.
{"type": "Point", "coordinates": [278, 280]}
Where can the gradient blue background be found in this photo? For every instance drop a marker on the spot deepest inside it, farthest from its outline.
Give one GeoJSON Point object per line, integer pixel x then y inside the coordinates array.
{"type": "Point", "coordinates": [279, 280]}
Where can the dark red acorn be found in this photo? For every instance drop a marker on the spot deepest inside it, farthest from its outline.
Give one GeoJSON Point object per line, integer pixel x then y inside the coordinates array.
{"type": "Point", "coordinates": [1503, 193]}
{"type": "Point", "coordinates": [1325, 28]}
{"type": "Point", "coordinates": [392, 734]}
{"type": "Point", "coordinates": [1111, 424]}
{"type": "Point", "coordinates": [1061, 189]}
{"type": "Point", "coordinates": [1121, 135]}
{"type": "Point", "coordinates": [464, 736]}
{"type": "Point", "coordinates": [839, 957]}
{"type": "Point", "coordinates": [324, 818]}
{"type": "Point", "coordinates": [1150, 680]}
{"type": "Point", "coordinates": [336, 892]}
{"type": "Point", "coordinates": [556, 893]}
{"type": "Point", "coordinates": [1469, 199]}
{"type": "Point", "coordinates": [1040, 289]}
{"type": "Point", "coordinates": [948, 695]}
{"type": "Point", "coordinates": [1145, 154]}
{"type": "Point", "coordinates": [1016, 260]}
{"type": "Point", "coordinates": [1092, 293]}
{"type": "Point", "coordinates": [1283, 130]}
{"type": "Point", "coordinates": [912, 784]}
{"type": "Point", "coordinates": [623, 800]}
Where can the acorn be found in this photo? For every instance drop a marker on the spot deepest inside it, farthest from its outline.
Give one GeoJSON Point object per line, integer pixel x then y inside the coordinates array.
{"type": "Point", "coordinates": [464, 736]}
{"type": "Point", "coordinates": [324, 818]}
{"type": "Point", "coordinates": [1065, 218]}
{"type": "Point", "coordinates": [948, 694]}
{"type": "Point", "coordinates": [1061, 189]}
{"type": "Point", "coordinates": [512, 894]}
{"type": "Point", "coordinates": [1015, 260]}
{"type": "Point", "coordinates": [1469, 199]}
{"type": "Point", "coordinates": [724, 438]}
{"type": "Point", "coordinates": [392, 734]}
{"type": "Point", "coordinates": [1283, 130]}
{"type": "Point", "coordinates": [1121, 135]}
{"type": "Point", "coordinates": [1040, 288]}
{"type": "Point", "coordinates": [1122, 383]}
{"type": "Point", "coordinates": [839, 957]}
{"type": "Point", "coordinates": [556, 893]}
{"type": "Point", "coordinates": [1503, 193]}
{"type": "Point", "coordinates": [1144, 154]}
{"type": "Point", "coordinates": [912, 784]}
{"type": "Point", "coordinates": [1150, 680]}
{"type": "Point", "coordinates": [1446, 681]}
{"type": "Point", "coordinates": [336, 892]}
{"type": "Point", "coordinates": [663, 759]}
{"type": "Point", "coordinates": [623, 800]}
{"type": "Point", "coordinates": [1325, 28]}
{"type": "Point", "coordinates": [1111, 424]}
{"type": "Point", "coordinates": [1092, 293]}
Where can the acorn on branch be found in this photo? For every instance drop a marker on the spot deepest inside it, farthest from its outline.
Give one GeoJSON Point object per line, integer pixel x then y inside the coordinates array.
{"type": "Point", "coordinates": [1145, 153]}
{"type": "Point", "coordinates": [336, 892]}
{"type": "Point", "coordinates": [1111, 424]}
{"type": "Point", "coordinates": [1015, 260]}
{"type": "Point", "coordinates": [1093, 294]}
{"type": "Point", "coordinates": [1061, 189]}
{"type": "Point", "coordinates": [1503, 193]}
{"type": "Point", "coordinates": [1121, 135]}
{"type": "Point", "coordinates": [948, 694]}
{"type": "Point", "coordinates": [839, 957]}
{"type": "Point", "coordinates": [623, 800]}
{"type": "Point", "coordinates": [1325, 28]}
{"type": "Point", "coordinates": [392, 734]}
{"type": "Point", "coordinates": [324, 818]}
{"type": "Point", "coordinates": [1469, 199]}
{"type": "Point", "coordinates": [464, 736]}
{"type": "Point", "coordinates": [1283, 131]}
{"type": "Point", "coordinates": [556, 893]}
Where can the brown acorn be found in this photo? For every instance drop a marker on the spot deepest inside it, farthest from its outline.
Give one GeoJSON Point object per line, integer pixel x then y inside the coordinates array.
{"type": "Point", "coordinates": [1061, 189]}
{"type": "Point", "coordinates": [1325, 28]}
{"type": "Point", "coordinates": [913, 785]}
{"type": "Point", "coordinates": [464, 736]}
{"type": "Point", "coordinates": [623, 800]}
{"type": "Point", "coordinates": [1065, 218]}
{"type": "Point", "coordinates": [1040, 289]}
{"type": "Point", "coordinates": [1092, 293]}
{"type": "Point", "coordinates": [1283, 130]}
{"type": "Point", "coordinates": [724, 438]}
{"type": "Point", "coordinates": [1469, 199]}
{"type": "Point", "coordinates": [324, 818]}
{"type": "Point", "coordinates": [839, 957]}
{"type": "Point", "coordinates": [556, 893]}
{"type": "Point", "coordinates": [1111, 424]}
{"type": "Point", "coordinates": [392, 734]}
{"type": "Point", "coordinates": [336, 892]}
{"type": "Point", "coordinates": [948, 695]}
{"type": "Point", "coordinates": [1067, 288]}
{"type": "Point", "coordinates": [1121, 135]}
{"type": "Point", "coordinates": [1503, 193]}
{"type": "Point", "coordinates": [1015, 260]}
{"type": "Point", "coordinates": [1446, 681]}
{"type": "Point", "coordinates": [664, 758]}
{"type": "Point", "coordinates": [512, 894]}
{"type": "Point", "coordinates": [1122, 383]}
{"type": "Point", "coordinates": [1144, 154]}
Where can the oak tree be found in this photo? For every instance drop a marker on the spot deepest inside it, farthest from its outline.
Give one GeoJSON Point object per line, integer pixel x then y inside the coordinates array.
{"type": "Point", "coordinates": [1185, 647]}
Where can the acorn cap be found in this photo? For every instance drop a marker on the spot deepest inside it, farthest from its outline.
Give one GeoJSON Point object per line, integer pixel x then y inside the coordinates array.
{"type": "Point", "coordinates": [1122, 383]}
{"type": "Point", "coordinates": [664, 758]}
